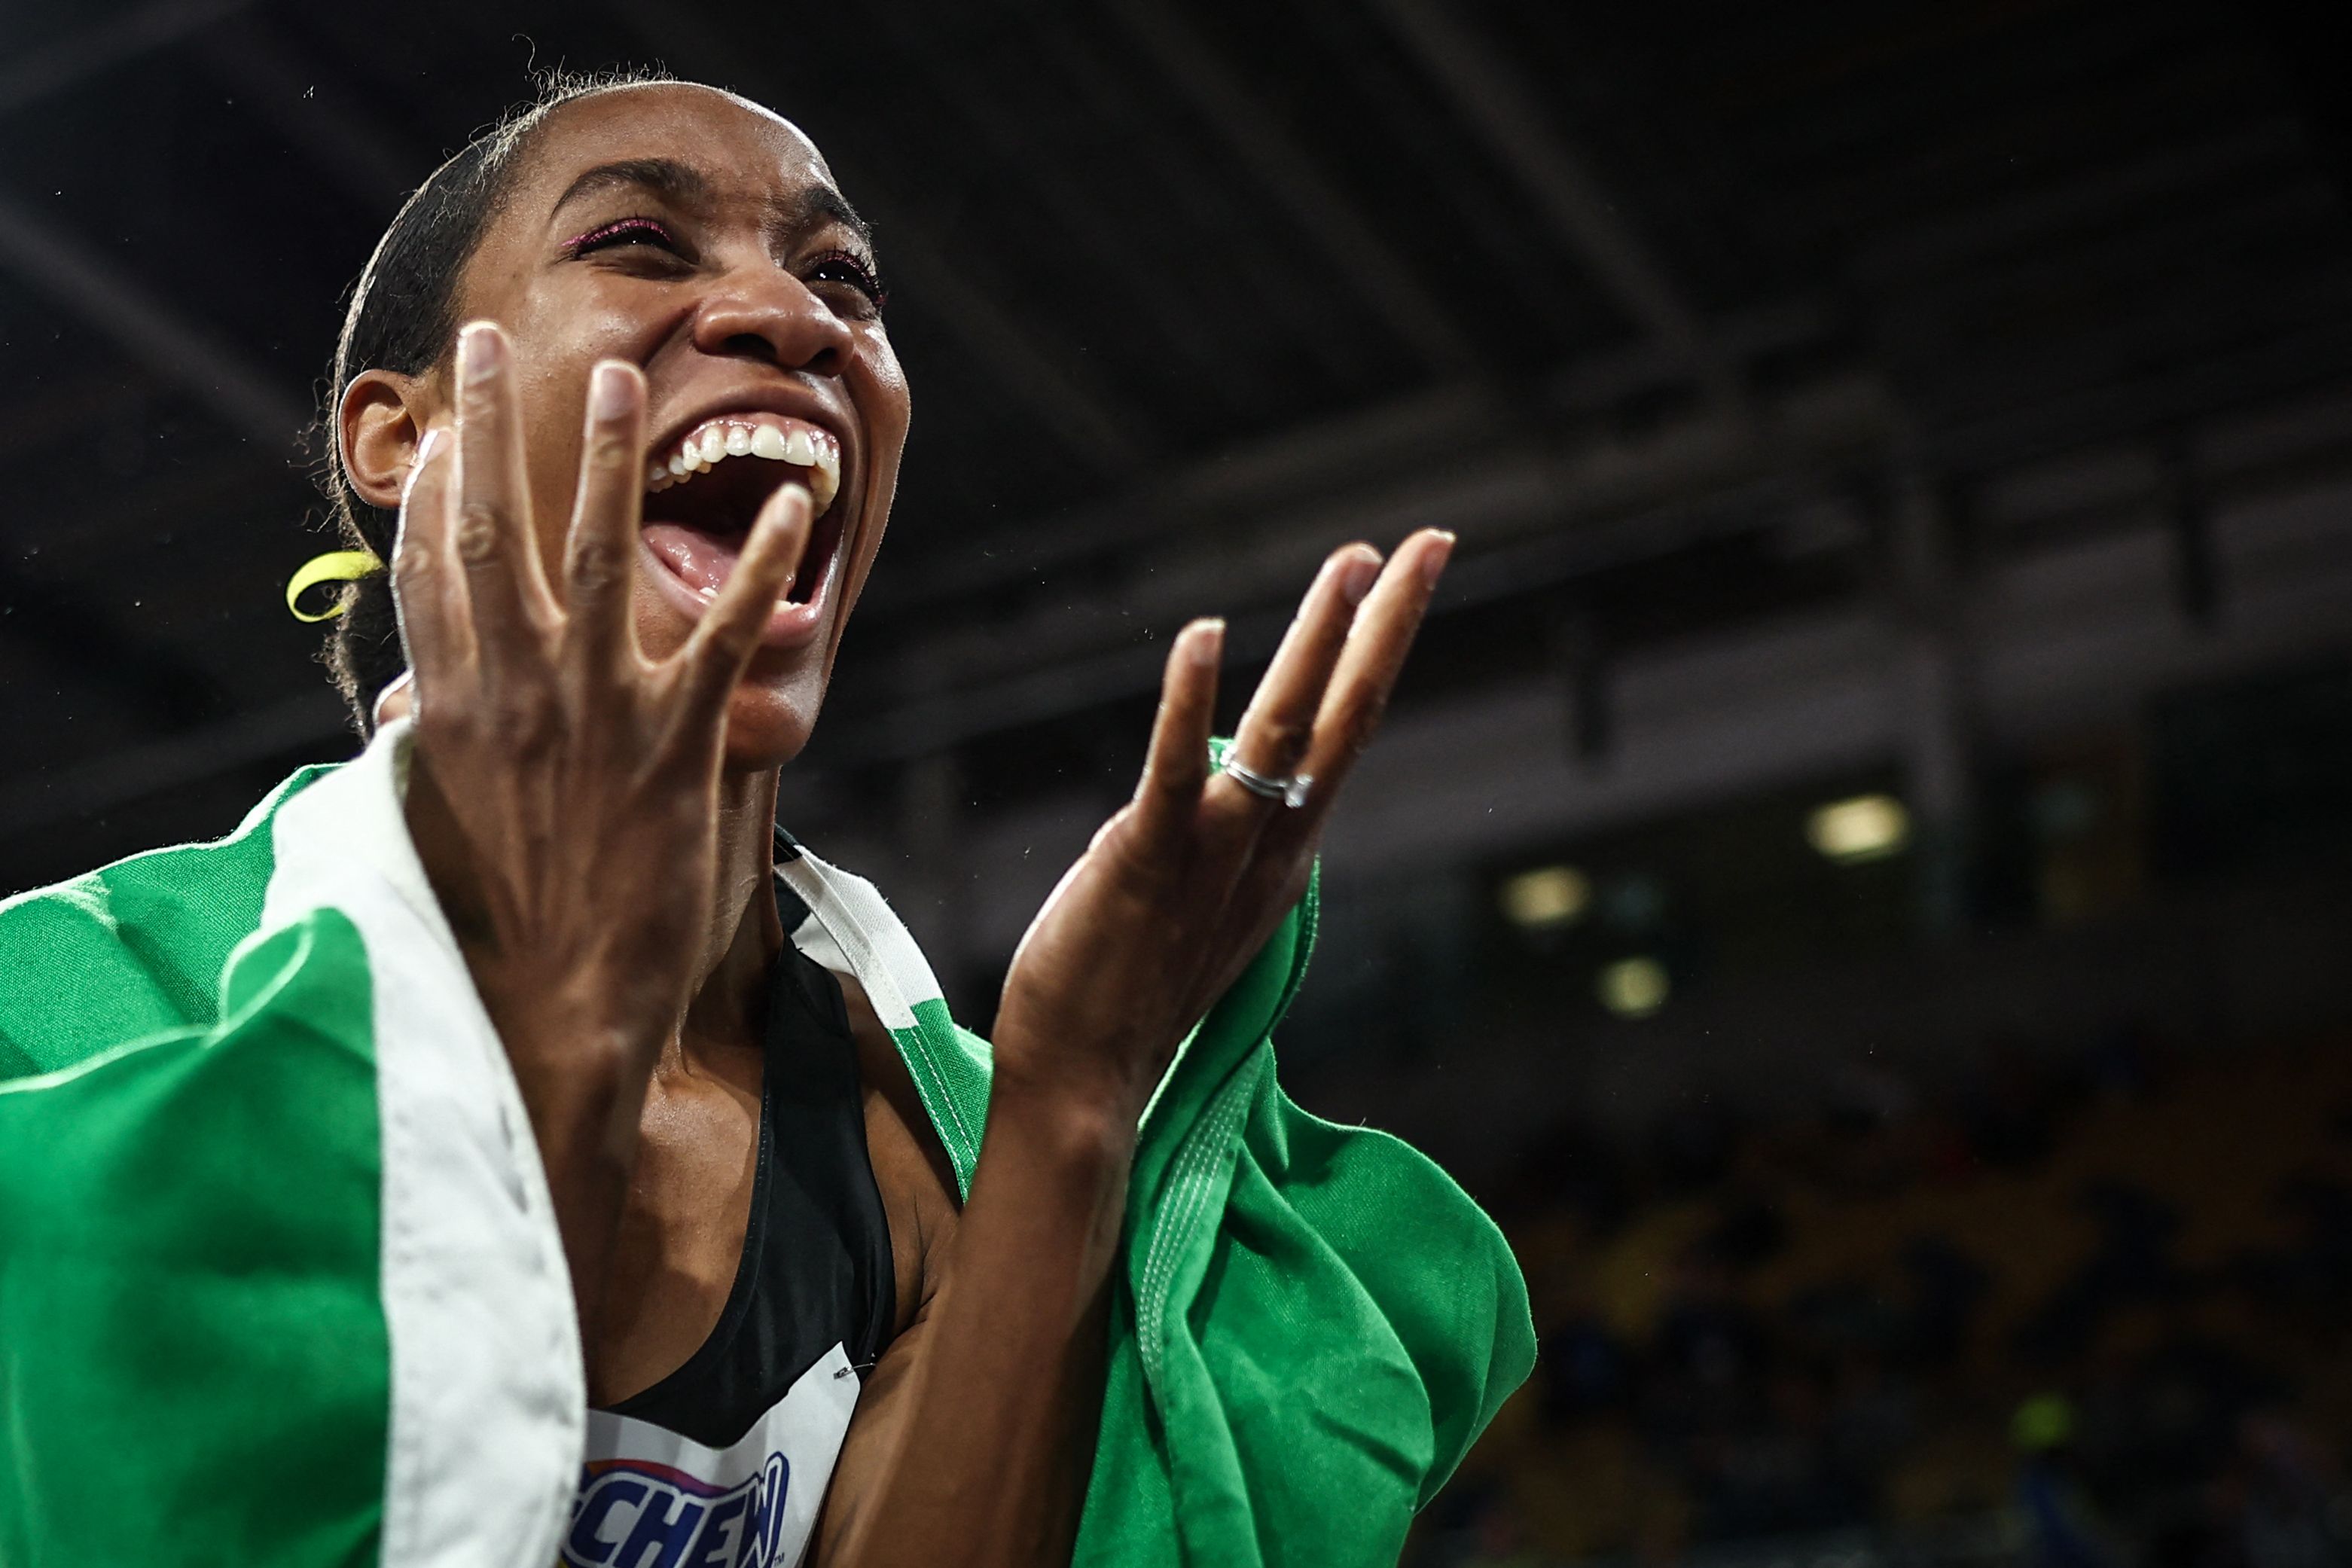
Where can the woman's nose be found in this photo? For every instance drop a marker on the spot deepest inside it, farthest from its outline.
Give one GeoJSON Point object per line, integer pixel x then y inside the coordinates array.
{"type": "Point", "coordinates": [768, 314]}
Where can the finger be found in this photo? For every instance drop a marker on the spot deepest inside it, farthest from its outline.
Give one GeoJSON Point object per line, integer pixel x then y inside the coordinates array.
{"type": "Point", "coordinates": [1357, 692]}
{"type": "Point", "coordinates": [1177, 765]}
{"type": "Point", "coordinates": [713, 659]}
{"type": "Point", "coordinates": [1275, 732]}
{"type": "Point", "coordinates": [503, 578]}
{"type": "Point", "coordinates": [428, 590]}
{"type": "Point", "coordinates": [601, 549]}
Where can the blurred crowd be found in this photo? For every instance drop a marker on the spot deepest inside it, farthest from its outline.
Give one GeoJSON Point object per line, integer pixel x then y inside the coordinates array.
{"type": "Point", "coordinates": [2083, 1308]}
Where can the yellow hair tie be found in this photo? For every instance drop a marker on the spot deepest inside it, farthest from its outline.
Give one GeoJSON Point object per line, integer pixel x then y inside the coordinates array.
{"type": "Point", "coordinates": [334, 566]}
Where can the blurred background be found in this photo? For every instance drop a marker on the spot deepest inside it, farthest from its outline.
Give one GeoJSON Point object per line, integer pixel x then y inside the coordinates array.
{"type": "Point", "coordinates": [1859, 877]}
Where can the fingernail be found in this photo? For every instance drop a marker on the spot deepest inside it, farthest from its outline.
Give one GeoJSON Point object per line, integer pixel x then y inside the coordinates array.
{"type": "Point", "coordinates": [1433, 563]}
{"type": "Point", "coordinates": [1206, 647]}
{"type": "Point", "coordinates": [398, 684]}
{"type": "Point", "coordinates": [777, 510]}
{"type": "Point", "coordinates": [610, 394]}
{"type": "Point", "coordinates": [480, 352]}
{"type": "Point", "coordinates": [1357, 575]}
{"type": "Point", "coordinates": [425, 449]}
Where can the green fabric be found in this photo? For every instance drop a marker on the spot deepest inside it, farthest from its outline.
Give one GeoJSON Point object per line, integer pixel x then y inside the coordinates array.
{"type": "Point", "coordinates": [131, 949]}
{"type": "Point", "coordinates": [1313, 1324]}
{"type": "Point", "coordinates": [949, 1065]}
{"type": "Point", "coordinates": [192, 1359]}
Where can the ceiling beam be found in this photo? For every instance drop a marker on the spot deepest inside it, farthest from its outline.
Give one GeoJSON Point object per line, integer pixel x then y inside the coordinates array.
{"type": "Point", "coordinates": [1308, 194]}
{"type": "Point", "coordinates": [1088, 420]}
{"type": "Point", "coordinates": [41, 252]}
{"type": "Point", "coordinates": [1531, 512]}
{"type": "Point", "coordinates": [997, 106]}
{"type": "Point", "coordinates": [1317, 454]}
{"type": "Point", "coordinates": [1495, 102]}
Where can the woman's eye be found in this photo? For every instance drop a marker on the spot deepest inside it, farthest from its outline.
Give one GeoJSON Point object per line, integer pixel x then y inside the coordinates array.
{"type": "Point", "coordinates": [841, 267]}
{"type": "Point", "coordinates": [624, 232]}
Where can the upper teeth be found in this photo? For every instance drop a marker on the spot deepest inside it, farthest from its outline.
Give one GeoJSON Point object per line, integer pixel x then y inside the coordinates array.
{"type": "Point", "coordinates": [707, 445]}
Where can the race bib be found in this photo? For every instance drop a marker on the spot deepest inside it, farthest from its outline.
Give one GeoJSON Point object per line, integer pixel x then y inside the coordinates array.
{"type": "Point", "coordinates": [651, 1498]}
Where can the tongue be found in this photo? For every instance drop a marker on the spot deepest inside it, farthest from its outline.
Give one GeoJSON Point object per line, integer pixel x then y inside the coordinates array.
{"type": "Point", "coordinates": [703, 562]}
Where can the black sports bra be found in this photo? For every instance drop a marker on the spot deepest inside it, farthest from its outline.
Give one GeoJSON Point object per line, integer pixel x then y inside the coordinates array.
{"type": "Point", "coordinates": [816, 1270]}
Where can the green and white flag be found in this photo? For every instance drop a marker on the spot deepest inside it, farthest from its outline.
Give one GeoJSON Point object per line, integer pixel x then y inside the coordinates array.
{"type": "Point", "coordinates": [281, 1281]}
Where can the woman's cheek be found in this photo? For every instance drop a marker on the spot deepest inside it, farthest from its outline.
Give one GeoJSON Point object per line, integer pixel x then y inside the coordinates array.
{"type": "Point", "coordinates": [888, 381]}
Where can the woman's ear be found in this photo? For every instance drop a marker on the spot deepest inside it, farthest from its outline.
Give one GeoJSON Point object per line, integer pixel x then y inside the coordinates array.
{"type": "Point", "coordinates": [379, 423]}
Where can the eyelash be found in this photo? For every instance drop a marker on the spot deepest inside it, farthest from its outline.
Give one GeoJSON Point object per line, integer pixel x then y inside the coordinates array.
{"type": "Point", "coordinates": [862, 275]}
{"type": "Point", "coordinates": [642, 230]}
{"type": "Point", "coordinates": [606, 235]}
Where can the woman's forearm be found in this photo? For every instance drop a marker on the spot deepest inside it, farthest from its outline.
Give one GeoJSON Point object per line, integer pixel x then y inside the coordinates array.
{"type": "Point", "coordinates": [581, 1061]}
{"type": "Point", "coordinates": [990, 1436]}
{"type": "Point", "coordinates": [584, 1089]}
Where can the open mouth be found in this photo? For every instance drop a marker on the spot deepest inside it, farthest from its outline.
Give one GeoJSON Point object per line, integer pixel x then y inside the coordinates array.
{"type": "Point", "coordinates": [703, 493]}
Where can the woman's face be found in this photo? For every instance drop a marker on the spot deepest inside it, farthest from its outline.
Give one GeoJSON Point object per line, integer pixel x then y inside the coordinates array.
{"type": "Point", "coordinates": [701, 239]}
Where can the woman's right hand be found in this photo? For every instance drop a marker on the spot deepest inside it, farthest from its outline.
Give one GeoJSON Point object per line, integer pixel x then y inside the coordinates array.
{"type": "Point", "coordinates": [563, 792]}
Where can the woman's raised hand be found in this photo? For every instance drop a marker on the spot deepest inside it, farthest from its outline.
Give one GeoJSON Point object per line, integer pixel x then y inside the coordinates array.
{"type": "Point", "coordinates": [1179, 890]}
{"type": "Point", "coordinates": [564, 796]}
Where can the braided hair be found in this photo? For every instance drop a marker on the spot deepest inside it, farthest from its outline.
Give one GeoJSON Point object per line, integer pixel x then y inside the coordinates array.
{"type": "Point", "coordinates": [403, 318]}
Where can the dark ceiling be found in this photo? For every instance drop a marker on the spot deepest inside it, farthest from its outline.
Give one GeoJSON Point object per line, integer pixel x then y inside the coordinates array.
{"type": "Point", "coordinates": [1635, 295]}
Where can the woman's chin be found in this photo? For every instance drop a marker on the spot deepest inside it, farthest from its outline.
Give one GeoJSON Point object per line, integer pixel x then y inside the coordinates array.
{"type": "Point", "coordinates": [767, 724]}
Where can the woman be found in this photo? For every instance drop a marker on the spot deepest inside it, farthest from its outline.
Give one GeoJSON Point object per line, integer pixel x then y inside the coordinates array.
{"type": "Point", "coordinates": [744, 1211]}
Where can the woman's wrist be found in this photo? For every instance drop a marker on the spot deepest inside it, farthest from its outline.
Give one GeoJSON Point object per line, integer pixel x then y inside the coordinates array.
{"type": "Point", "coordinates": [1086, 1129]}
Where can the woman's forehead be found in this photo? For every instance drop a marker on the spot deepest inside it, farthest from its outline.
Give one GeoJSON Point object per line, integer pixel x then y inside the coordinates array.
{"type": "Point", "coordinates": [730, 141]}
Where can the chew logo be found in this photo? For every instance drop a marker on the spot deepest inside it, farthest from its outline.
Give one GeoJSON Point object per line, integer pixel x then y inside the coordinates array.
{"type": "Point", "coordinates": [633, 1514]}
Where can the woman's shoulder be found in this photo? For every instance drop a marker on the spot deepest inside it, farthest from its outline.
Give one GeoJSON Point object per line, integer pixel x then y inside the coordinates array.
{"type": "Point", "coordinates": [133, 947]}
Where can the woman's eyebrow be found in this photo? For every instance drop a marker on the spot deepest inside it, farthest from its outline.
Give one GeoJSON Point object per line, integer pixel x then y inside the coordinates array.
{"type": "Point", "coordinates": [822, 203]}
{"type": "Point", "coordinates": [687, 185]}
{"type": "Point", "coordinates": [675, 182]}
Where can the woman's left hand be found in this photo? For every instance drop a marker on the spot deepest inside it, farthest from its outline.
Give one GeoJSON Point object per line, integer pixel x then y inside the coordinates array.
{"type": "Point", "coordinates": [975, 1435]}
{"type": "Point", "coordinates": [1180, 890]}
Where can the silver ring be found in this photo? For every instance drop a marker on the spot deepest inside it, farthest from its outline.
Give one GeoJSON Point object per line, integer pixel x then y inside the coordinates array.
{"type": "Point", "coordinates": [1291, 791]}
